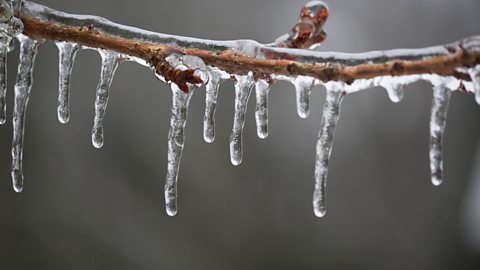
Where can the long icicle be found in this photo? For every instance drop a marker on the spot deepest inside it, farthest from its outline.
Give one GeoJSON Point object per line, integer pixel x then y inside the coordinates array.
{"type": "Point", "coordinates": [438, 117]}
{"type": "Point", "coordinates": [66, 55]}
{"type": "Point", "coordinates": [180, 101]}
{"type": "Point", "coordinates": [110, 62]}
{"type": "Point", "coordinates": [3, 83]}
{"type": "Point", "coordinates": [243, 88]}
{"type": "Point", "coordinates": [211, 94]}
{"type": "Point", "coordinates": [23, 86]}
{"type": "Point", "coordinates": [262, 88]}
{"type": "Point", "coordinates": [331, 113]}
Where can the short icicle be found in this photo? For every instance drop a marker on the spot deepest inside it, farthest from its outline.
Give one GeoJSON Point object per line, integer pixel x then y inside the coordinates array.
{"type": "Point", "coordinates": [475, 76]}
{"type": "Point", "coordinates": [438, 117]}
{"type": "Point", "coordinates": [331, 113]}
{"type": "Point", "coordinates": [211, 89]}
{"type": "Point", "coordinates": [23, 86]}
{"type": "Point", "coordinates": [66, 54]}
{"type": "Point", "coordinates": [110, 61]}
{"type": "Point", "coordinates": [243, 88]}
{"type": "Point", "coordinates": [303, 88]}
{"type": "Point", "coordinates": [180, 101]}
{"type": "Point", "coordinates": [262, 88]}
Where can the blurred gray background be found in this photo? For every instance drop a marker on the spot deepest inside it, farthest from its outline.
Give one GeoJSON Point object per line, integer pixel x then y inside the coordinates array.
{"type": "Point", "coordinates": [84, 208]}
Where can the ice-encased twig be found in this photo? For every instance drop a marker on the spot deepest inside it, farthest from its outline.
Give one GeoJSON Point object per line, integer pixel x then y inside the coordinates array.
{"type": "Point", "coordinates": [211, 93]}
{"type": "Point", "coordinates": [262, 88]}
{"type": "Point", "coordinates": [180, 101]}
{"type": "Point", "coordinates": [66, 55]}
{"type": "Point", "coordinates": [303, 88]}
{"type": "Point", "coordinates": [23, 86]}
{"type": "Point", "coordinates": [331, 113]}
{"type": "Point", "coordinates": [110, 61]}
{"type": "Point", "coordinates": [243, 89]}
{"type": "Point", "coordinates": [438, 117]}
{"type": "Point", "coordinates": [242, 56]}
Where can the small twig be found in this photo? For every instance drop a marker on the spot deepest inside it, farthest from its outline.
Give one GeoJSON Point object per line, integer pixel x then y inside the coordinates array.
{"type": "Point", "coordinates": [243, 56]}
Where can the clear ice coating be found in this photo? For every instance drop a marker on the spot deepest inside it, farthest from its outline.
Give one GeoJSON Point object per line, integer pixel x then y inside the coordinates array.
{"type": "Point", "coordinates": [475, 76]}
{"type": "Point", "coordinates": [303, 88]}
{"type": "Point", "coordinates": [243, 88]}
{"type": "Point", "coordinates": [9, 27]}
{"type": "Point", "coordinates": [23, 86]}
{"type": "Point", "coordinates": [262, 88]}
{"type": "Point", "coordinates": [110, 61]}
{"type": "Point", "coordinates": [66, 54]}
{"type": "Point", "coordinates": [438, 117]}
{"type": "Point", "coordinates": [331, 112]}
{"type": "Point", "coordinates": [211, 92]}
{"type": "Point", "coordinates": [394, 87]}
{"type": "Point", "coordinates": [180, 101]}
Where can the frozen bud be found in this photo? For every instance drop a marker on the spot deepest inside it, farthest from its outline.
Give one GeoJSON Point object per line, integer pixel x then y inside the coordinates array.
{"type": "Point", "coordinates": [316, 11]}
{"type": "Point", "coordinates": [186, 71]}
{"type": "Point", "coordinates": [301, 32]}
{"type": "Point", "coordinates": [5, 12]}
{"type": "Point", "coordinates": [15, 27]}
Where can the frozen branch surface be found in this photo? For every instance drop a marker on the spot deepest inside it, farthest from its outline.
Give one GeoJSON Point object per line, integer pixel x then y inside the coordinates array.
{"type": "Point", "coordinates": [243, 56]}
{"type": "Point", "coordinates": [188, 63]}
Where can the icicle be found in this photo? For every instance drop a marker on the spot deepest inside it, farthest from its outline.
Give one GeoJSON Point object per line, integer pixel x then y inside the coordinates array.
{"type": "Point", "coordinates": [180, 101]}
{"type": "Point", "coordinates": [303, 88]}
{"type": "Point", "coordinates": [394, 87]}
{"type": "Point", "coordinates": [438, 117]}
{"type": "Point", "coordinates": [110, 62]}
{"type": "Point", "coordinates": [211, 89]}
{"type": "Point", "coordinates": [23, 85]}
{"type": "Point", "coordinates": [9, 27]}
{"type": "Point", "coordinates": [243, 88]}
{"type": "Point", "coordinates": [331, 112]}
{"type": "Point", "coordinates": [3, 83]}
{"type": "Point", "coordinates": [475, 76]}
{"type": "Point", "coordinates": [66, 55]}
{"type": "Point", "coordinates": [262, 88]}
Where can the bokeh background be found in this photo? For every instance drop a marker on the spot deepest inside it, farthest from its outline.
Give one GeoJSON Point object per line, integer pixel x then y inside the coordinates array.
{"type": "Point", "coordinates": [84, 208]}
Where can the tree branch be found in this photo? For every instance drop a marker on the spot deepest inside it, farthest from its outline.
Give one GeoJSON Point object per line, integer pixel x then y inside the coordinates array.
{"type": "Point", "coordinates": [243, 56]}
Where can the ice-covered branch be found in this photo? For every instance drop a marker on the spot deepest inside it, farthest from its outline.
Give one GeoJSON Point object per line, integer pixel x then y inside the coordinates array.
{"type": "Point", "coordinates": [243, 56]}
{"type": "Point", "coordinates": [189, 63]}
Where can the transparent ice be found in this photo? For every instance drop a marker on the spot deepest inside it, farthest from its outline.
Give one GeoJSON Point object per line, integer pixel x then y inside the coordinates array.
{"type": "Point", "coordinates": [66, 54]}
{"type": "Point", "coordinates": [180, 101]}
{"type": "Point", "coordinates": [438, 117]}
{"type": "Point", "coordinates": [23, 86]}
{"type": "Point", "coordinates": [475, 76]}
{"type": "Point", "coordinates": [262, 87]}
{"type": "Point", "coordinates": [110, 61]}
{"type": "Point", "coordinates": [331, 113]}
{"type": "Point", "coordinates": [216, 76]}
{"type": "Point", "coordinates": [243, 88]}
{"type": "Point", "coordinates": [9, 27]}
{"type": "Point", "coordinates": [303, 88]}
